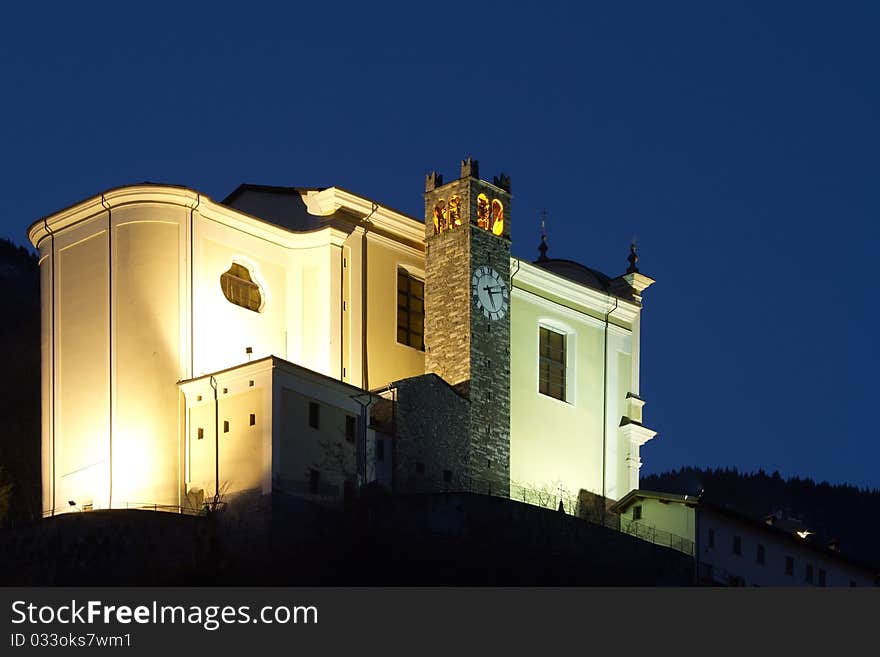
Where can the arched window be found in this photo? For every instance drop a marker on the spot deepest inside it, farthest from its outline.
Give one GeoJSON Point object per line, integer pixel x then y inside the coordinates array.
{"type": "Point", "coordinates": [240, 288]}
{"type": "Point", "coordinates": [497, 217]}
{"type": "Point", "coordinates": [483, 211]}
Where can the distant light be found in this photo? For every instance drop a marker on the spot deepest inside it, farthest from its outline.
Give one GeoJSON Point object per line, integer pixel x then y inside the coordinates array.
{"type": "Point", "coordinates": [804, 533]}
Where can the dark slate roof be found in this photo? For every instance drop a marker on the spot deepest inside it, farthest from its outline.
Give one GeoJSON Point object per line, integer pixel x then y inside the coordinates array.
{"type": "Point", "coordinates": [282, 206]}
{"type": "Point", "coordinates": [574, 271]}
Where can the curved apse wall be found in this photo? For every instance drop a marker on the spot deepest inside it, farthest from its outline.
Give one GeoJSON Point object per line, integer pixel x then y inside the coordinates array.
{"type": "Point", "coordinates": [114, 336]}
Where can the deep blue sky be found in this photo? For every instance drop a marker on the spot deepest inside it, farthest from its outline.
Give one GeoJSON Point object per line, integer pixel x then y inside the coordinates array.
{"type": "Point", "coordinates": [738, 143]}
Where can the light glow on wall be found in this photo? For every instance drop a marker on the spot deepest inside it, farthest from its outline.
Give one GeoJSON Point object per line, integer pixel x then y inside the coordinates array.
{"type": "Point", "coordinates": [134, 465]}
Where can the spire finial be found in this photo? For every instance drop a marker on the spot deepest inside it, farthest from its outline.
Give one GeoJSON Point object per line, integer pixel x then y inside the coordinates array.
{"type": "Point", "coordinates": [633, 258]}
{"type": "Point", "coordinates": [542, 247]}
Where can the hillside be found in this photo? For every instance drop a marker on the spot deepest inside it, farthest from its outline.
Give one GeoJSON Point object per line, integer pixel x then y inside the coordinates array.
{"type": "Point", "coordinates": [20, 385]}
{"type": "Point", "coordinates": [837, 511]}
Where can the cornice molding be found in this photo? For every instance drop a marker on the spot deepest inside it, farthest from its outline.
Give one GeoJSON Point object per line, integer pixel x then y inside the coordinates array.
{"type": "Point", "coordinates": [112, 198]}
{"type": "Point", "coordinates": [395, 245]}
{"type": "Point", "coordinates": [636, 433]}
{"type": "Point", "coordinates": [187, 199]}
{"type": "Point", "coordinates": [330, 200]}
{"type": "Point", "coordinates": [571, 313]}
{"type": "Point", "coordinates": [595, 300]}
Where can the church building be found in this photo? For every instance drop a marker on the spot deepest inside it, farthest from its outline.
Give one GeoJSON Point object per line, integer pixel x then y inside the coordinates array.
{"type": "Point", "coordinates": [311, 341]}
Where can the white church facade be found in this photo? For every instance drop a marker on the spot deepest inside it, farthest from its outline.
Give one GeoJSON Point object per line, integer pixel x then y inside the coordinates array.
{"type": "Point", "coordinates": [313, 340]}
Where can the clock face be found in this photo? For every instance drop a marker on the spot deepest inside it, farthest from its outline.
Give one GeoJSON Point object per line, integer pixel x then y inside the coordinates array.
{"type": "Point", "coordinates": [490, 292]}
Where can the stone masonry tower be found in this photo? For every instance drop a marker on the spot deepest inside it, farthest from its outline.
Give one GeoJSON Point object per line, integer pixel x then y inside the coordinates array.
{"type": "Point", "coordinates": [467, 311]}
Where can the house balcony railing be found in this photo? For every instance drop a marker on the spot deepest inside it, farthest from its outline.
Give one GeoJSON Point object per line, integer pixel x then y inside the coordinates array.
{"type": "Point", "coordinates": [656, 536]}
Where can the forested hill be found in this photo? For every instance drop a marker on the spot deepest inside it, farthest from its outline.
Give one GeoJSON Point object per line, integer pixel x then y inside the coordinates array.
{"type": "Point", "coordinates": [20, 383]}
{"type": "Point", "coordinates": [841, 511]}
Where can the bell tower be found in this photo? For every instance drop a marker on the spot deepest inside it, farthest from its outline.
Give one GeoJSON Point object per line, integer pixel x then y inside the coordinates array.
{"type": "Point", "coordinates": [467, 311]}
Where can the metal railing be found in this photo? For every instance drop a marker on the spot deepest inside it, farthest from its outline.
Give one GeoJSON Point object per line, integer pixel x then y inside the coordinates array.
{"type": "Point", "coordinates": [547, 497]}
{"type": "Point", "coordinates": [656, 536]}
{"type": "Point", "coordinates": [144, 506]}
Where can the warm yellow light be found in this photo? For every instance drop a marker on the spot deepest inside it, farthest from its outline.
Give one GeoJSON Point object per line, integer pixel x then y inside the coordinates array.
{"type": "Point", "coordinates": [454, 211]}
{"type": "Point", "coordinates": [134, 466]}
{"type": "Point", "coordinates": [497, 217]}
{"type": "Point", "coordinates": [483, 211]}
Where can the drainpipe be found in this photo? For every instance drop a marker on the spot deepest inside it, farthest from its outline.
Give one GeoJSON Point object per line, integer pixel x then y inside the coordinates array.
{"type": "Point", "coordinates": [52, 335]}
{"type": "Point", "coordinates": [605, 404]}
{"type": "Point", "coordinates": [192, 357]}
{"type": "Point", "coordinates": [696, 542]}
{"type": "Point", "coordinates": [213, 383]}
{"type": "Point", "coordinates": [510, 312]}
{"type": "Point", "coordinates": [342, 312]}
{"type": "Point", "coordinates": [109, 347]}
{"type": "Point", "coordinates": [181, 490]}
{"type": "Point", "coordinates": [366, 223]}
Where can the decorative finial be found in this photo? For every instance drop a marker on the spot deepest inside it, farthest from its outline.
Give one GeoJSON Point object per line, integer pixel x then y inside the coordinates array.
{"type": "Point", "coordinates": [633, 259]}
{"type": "Point", "coordinates": [542, 247]}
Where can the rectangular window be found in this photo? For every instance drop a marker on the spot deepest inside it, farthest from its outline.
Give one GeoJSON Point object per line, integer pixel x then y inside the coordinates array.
{"type": "Point", "coordinates": [637, 513]}
{"type": "Point", "coordinates": [225, 426]}
{"type": "Point", "coordinates": [253, 419]}
{"type": "Point", "coordinates": [410, 310]}
{"type": "Point", "coordinates": [737, 545]}
{"type": "Point", "coordinates": [808, 573]}
{"type": "Point", "coordinates": [821, 577]}
{"type": "Point", "coordinates": [711, 537]}
{"type": "Point", "coordinates": [380, 450]}
{"type": "Point", "coordinates": [447, 476]}
{"type": "Point", "coordinates": [314, 415]}
{"type": "Point", "coordinates": [789, 565]}
{"type": "Point", "coordinates": [420, 468]}
{"type": "Point", "coordinates": [551, 363]}
{"type": "Point", "coordinates": [314, 481]}
{"type": "Point", "coordinates": [201, 433]}
{"type": "Point", "coordinates": [350, 428]}
{"type": "Point", "coordinates": [759, 557]}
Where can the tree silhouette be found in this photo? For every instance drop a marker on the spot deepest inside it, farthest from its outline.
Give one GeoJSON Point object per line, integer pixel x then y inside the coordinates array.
{"type": "Point", "coordinates": [834, 511]}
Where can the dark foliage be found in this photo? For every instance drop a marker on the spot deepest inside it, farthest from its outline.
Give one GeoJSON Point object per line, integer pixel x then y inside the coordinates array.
{"type": "Point", "coordinates": [20, 383]}
{"type": "Point", "coordinates": [840, 511]}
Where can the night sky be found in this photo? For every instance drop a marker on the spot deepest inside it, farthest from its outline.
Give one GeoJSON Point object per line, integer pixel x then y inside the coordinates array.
{"type": "Point", "coordinates": [738, 144]}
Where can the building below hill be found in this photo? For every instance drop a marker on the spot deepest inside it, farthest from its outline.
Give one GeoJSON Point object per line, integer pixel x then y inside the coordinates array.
{"type": "Point", "coordinates": [732, 549]}
{"type": "Point", "coordinates": [313, 341]}
{"type": "Point", "coordinates": [439, 539]}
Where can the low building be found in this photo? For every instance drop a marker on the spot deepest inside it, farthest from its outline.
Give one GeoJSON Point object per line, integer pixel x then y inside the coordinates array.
{"type": "Point", "coordinates": [732, 549]}
{"type": "Point", "coordinates": [273, 425]}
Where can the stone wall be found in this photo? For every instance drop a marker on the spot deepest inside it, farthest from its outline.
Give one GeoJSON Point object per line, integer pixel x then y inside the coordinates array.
{"type": "Point", "coordinates": [465, 348]}
{"type": "Point", "coordinates": [432, 436]}
{"type": "Point", "coordinates": [490, 378]}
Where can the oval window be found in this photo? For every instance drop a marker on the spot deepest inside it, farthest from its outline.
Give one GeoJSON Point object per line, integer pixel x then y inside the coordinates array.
{"type": "Point", "coordinates": [240, 288]}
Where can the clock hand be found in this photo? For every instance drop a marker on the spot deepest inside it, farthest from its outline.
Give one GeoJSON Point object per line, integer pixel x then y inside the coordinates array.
{"type": "Point", "coordinates": [491, 295]}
